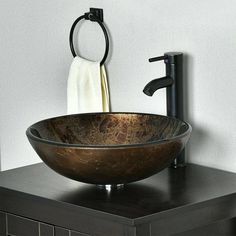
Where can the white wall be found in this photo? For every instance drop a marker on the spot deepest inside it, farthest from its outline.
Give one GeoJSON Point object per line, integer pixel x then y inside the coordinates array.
{"type": "Point", "coordinates": [35, 58]}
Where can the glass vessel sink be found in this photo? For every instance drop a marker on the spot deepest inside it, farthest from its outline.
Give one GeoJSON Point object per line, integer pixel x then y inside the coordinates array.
{"type": "Point", "coordinates": [108, 148]}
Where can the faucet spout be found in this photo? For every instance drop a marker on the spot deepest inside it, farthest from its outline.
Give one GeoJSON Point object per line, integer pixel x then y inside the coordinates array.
{"type": "Point", "coordinates": [156, 84]}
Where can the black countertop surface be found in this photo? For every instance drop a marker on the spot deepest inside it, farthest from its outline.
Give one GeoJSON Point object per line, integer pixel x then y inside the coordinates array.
{"type": "Point", "coordinates": [165, 192]}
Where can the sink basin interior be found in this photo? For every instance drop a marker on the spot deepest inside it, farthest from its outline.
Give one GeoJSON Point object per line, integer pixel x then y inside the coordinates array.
{"type": "Point", "coordinates": [108, 129]}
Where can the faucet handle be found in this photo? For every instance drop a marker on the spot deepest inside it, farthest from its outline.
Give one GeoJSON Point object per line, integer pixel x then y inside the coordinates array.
{"type": "Point", "coordinates": [157, 58]}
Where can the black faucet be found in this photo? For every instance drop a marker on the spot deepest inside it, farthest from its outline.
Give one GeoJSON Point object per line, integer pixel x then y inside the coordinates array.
{"type": "Point", "coordinates": [173, 81]}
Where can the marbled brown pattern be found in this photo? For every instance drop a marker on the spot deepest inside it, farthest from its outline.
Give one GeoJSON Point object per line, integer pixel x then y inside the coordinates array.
{"type": "Point", "coordinates": [109, 148]}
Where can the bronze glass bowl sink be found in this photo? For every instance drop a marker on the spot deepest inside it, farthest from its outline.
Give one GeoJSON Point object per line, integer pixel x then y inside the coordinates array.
{"type": "Point", "coordinates": [108, 148]}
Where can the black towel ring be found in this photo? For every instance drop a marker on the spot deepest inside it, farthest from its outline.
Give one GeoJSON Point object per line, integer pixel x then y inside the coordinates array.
{"type": "Point", "coordinates": [97, 16]}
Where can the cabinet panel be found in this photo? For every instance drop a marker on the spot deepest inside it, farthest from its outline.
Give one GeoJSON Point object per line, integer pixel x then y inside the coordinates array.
{"type": "Point", "coordinates": [61, 232]}
{"type": "Point", "coordinates": [221, 228]}
{"type": "Point", "coordinates": [19, 226]}
{"type": "Point", "coordinates": [46, 230]}
{"type": "Point", "coordinates": [73, 233]}
{"type": "Point", "coordinates": [65, 232]}
{"type": "Point", "coordinates": [2, 224]}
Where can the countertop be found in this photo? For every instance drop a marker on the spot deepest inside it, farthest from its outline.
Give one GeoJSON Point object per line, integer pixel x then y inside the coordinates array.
{"type": "Point", "coordinates": [194, 193]}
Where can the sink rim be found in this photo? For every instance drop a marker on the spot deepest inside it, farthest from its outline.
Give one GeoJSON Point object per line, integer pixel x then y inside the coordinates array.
{"type": "Point", "coordinates": [86, 146]}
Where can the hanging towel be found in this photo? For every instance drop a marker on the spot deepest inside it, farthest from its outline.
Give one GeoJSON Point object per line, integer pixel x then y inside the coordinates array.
{"type": "Point", "coordinates": [87, 88]}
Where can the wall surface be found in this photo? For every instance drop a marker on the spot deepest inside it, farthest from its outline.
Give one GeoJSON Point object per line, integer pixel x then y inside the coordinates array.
{"type": "Point", "coordinates": [35, 59]}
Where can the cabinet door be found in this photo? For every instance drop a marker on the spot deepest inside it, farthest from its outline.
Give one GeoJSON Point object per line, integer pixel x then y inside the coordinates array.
{"type": "Point", "coordinates": [2, 224]}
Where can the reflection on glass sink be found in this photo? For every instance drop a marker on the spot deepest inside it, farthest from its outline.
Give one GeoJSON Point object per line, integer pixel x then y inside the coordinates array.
{"type": "Point", "coordinates": [109, 148]}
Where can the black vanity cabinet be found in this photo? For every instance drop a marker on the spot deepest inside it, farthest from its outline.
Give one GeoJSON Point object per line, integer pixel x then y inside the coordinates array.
{"type": "Point", "coordinates": [191, 201]}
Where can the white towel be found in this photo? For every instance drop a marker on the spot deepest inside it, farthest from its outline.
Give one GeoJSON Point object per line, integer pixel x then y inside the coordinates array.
{"type": "Point", "coordinates": [87, 88]}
